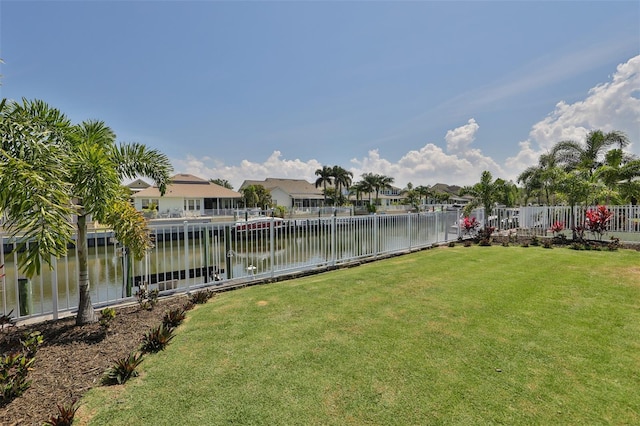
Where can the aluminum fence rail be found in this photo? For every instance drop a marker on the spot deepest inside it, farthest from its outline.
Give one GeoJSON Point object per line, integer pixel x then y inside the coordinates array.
{"type": "Point", "coordinates": [191, 254]}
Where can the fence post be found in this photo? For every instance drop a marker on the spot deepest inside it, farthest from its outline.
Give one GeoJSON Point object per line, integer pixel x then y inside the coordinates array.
{"type": "Point", "coordinates": [409, 217]}
{"type": "Point", "coordinates": [333, 239]}
{"type": "Point", "coordinates": [186, 254]}
{"type": "Point", "coordinates": [272, 245]}
{"type": "Point", "coordinates": [54, 286]}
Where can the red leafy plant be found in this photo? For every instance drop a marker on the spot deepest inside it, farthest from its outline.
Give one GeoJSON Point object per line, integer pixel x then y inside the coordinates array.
{"type": "Point", "coordinates": [470, 224]}
{"type": "Point", "coordinates": [557, 227]}
{"type": "Point", "coordinates": [597, 220]}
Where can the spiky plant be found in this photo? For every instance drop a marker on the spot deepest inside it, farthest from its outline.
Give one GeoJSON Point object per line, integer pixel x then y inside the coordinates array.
{"type": "Point", "coordinates": [122, 370]}
{"type": "Point", "coordinates": [156, 339]}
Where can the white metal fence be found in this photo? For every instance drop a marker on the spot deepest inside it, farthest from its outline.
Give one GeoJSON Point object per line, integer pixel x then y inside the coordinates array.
{"type": "Point", "coordinates": [191, 254]}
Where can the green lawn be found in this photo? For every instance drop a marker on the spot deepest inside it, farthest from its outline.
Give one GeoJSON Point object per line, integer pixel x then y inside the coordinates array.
{"type": "Point", "coordinates": [463, 335]}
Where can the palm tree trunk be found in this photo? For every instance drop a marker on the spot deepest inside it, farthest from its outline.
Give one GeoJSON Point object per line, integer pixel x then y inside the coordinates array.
{"type": "Point", "coordinates": [86, 314]}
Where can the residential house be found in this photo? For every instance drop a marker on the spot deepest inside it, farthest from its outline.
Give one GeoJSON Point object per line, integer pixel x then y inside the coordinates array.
{"type": "Point", "coordinates": [138, 185]}
{"type": "Point", "coordinates": [297, 193]}
{"type": "Point", "coordinates": [188, 195]}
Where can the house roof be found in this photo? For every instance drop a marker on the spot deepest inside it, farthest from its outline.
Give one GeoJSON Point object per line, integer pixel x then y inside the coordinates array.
{"type": "Point", "coordinates": [189, 186]}
{"type": "Point", "coordinates": [138, 185]}
{"type": "Point", "coordinates": [296, 188]}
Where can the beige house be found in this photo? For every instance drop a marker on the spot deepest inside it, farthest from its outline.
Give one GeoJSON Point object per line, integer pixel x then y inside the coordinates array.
{"type": "Point", "coordinates": [187, 196]}
{"type": "Point", "coordinates": [289, 193]}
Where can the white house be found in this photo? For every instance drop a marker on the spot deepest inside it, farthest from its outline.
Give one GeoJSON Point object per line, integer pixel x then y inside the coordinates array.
{"type": "Point", "coordinates": [290, 192]}
{"type": "Point", "coordinates": [187, 195]}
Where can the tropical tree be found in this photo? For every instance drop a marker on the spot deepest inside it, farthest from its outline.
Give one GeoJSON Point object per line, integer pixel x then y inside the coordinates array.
{"type": "Point", "coordinates": [424, 191]}
{"type": "Point", "coordinates": [619, 173]}
{"type": "Point", "coordinates": [51, 170]}
{"type": "Point", "coordinates": [325, 175]}
{"type": "Point", "coordinates": [588, 156]}
{"type": "Point", "coordinates": [539, 181]}
{"type": "Point", "coordinates": [256, 196]}
{"type": "Point", "coordinates": [377, 183]}
{"type": "Point", "coordinates": [411, 195]}
{"type": "Point", "coordinates": [575, 186]}
{"type": "Point", "coordinates": [357, 189]}
{"type": "Point", "coordinates": [222, 182]}
{"type": "Point", "coordinates": [368, 184]}
{"type": "Point", "coordinates": [485, 193]}
{"type": "Point", "coordinates": [341, 178]}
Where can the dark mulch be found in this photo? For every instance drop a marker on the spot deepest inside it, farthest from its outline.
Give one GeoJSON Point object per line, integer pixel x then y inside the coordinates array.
{"type": "Point", "coordinates": [73, 359]}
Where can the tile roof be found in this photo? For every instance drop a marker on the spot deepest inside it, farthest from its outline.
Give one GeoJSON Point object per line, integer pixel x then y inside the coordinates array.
{"type": "Point", "coordinates": [189, 186]}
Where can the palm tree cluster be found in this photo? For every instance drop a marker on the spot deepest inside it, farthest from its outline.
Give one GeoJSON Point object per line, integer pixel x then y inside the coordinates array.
{"type": "Point", "coordinates": [52, 170]}
{"type": "Point", "coordinates": [594, 172]}
{"type": "Point", "coordinates": [337, 178]}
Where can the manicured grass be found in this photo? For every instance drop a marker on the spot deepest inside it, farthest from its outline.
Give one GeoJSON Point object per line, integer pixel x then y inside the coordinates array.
{"type": "Point", "coordinates": [463, 335]}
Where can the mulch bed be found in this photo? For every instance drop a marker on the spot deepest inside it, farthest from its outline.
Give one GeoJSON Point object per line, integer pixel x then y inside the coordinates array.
{"type": "Point", "coordinates": [72, 359]}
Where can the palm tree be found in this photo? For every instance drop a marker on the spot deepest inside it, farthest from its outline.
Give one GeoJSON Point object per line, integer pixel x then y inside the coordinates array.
{"type": "Point", "coordinates": [368, 184]}
{"type": "Point", "coordinates": [574, 155]}
{"type": "Point", "coordinates": [619, 173]}
{"type": "Point", "coordinates": [384, 182]}
{"type": "Point", "coordinates": [424, 191]}
{"type": "Point", "coordinates": [411, 195]}
{"type": "Point", "coordinates": [222, 182]}
{"type": "Point", "coordinates": [325, 174]}
{"type": "Point", "coordinates": [485, 193]}
{"type": "Point", "coordinates": [341, 178]}
{"type": "Point", "coordinates": [50, 170]}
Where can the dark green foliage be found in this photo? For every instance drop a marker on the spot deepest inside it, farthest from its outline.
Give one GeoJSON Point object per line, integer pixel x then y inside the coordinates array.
{"type": "Point", "coordinates": [452, 243]}
{"type": "Point", "coordinates": [156, 339]}
{"type": "Point", "coordinates": [14, 369]}
{"type": "Point", "coordinates": [31, 342]}
{"type": "Point", "coordinates": [467, 243]}
{"type": "Point", "coordinates": [122, 370]}
{"type": "Point", "coordinates": [201, 297]}
{"type": "Point", "coordinates": [66, 413]}
{"type": "Point", "coordinates": [174, 318]}
{"type": "Point", "coordinates": [548, 244]}
{"type": "Point", "coordinates": [614, 244]}
{"type": "Point", "coordinates": [107, 315]}
{"type": "Point", "coordinates": [535, 241]}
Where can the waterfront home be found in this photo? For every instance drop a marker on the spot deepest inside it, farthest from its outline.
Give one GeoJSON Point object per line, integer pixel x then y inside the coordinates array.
{"type": "Point", "coordinates": [187, 196]}
{"type": "Point", "coordinates": [296, 193]}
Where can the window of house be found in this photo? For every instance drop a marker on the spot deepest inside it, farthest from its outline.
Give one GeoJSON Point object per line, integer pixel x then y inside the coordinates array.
{"type": "Point", "coordinates": [150, 202]}
{"type": "Point", "coordinates": [192, 204]}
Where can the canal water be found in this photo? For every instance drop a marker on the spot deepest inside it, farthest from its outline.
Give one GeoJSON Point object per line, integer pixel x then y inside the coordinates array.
{"type": "Point", "coordinates": [187, 255]}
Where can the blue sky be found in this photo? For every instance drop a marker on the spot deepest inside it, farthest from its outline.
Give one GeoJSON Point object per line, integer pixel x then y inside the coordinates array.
{"type": "Point", "coordinates": [424, 92]}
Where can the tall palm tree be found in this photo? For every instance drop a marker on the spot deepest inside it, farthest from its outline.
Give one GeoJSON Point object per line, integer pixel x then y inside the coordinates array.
{"type": "Point", "coordinates": [619, 174]}
{"type": "Point", "coordinates": [51, 169]}
{"type": "Point", "coordinates": [424, 191]}
{"type": "Point", "coordinates": [324, 177]}
{"type": "Point", "coordinates": [588, 156]}
{"type": "Point", "coordinates": [382, 182]}
{"type": "Point", "coordinates": [368, 183]}
{"type": "Point", "coordinates": [341, 178]}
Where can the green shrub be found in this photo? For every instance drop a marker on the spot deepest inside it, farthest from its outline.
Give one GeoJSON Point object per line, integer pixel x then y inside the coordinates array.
{"type": "Point", "coordinates": [122, 370]}
{"type": "Point", "coordinates": [174, 318]}
{"type": "Point", "coordinates": [14, 369]}
{"type": "Point", "coordinates": [201, 297]}
{"type": "Point", "coordinates": [107, 315]}
{"type": "Point", "coordinates": [157, 339]}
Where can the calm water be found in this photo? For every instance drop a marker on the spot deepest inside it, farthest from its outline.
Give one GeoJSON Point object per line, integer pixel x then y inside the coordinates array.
{"type": "Point", "coordinates": [238, 257]}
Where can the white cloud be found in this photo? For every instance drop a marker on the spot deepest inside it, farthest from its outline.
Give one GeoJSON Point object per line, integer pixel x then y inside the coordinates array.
{"type": "Point", "coordinates": [459, 139]}
{"type": "Point", "coordinates": [614, 105]}
{"type": "Point", "coordinates": [609, 106]}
